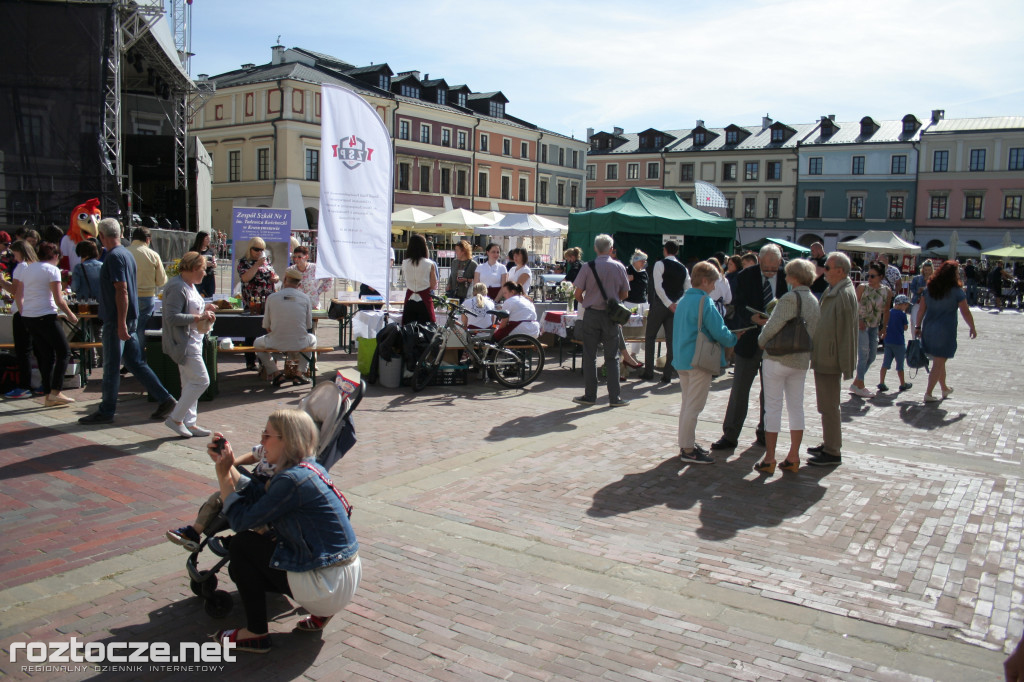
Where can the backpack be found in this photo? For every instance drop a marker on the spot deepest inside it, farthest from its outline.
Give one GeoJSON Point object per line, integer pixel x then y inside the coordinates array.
{"type": "Point", "coordinates": [916, 359]}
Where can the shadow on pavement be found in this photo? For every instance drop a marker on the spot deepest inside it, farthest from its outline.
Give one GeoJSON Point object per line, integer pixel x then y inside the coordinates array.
{"type": "Point", "coordinates": [926, 417]}
{"type": "Point", "coordinates": [729, 501]}
{"type": "Point", "coordinates": [67, 459]}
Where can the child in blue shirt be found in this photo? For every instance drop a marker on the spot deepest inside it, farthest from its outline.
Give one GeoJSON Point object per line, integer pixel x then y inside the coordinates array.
{"type": "Point", "coordinates": [895, 345]}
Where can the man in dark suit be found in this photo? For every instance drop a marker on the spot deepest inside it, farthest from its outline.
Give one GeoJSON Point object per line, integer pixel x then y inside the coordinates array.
{"type": "Point", "coordinates": [669, 280]}
{"type": "Point", "coordinates": [756, 287]}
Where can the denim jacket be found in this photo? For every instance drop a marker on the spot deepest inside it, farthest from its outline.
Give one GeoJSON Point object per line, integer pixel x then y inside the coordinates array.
{"type": "Point", "coordinates": [312, 527]}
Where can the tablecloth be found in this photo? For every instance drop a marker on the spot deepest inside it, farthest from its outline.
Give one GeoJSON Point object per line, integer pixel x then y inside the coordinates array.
{"type": "Point", "coordinates": [557, 322]}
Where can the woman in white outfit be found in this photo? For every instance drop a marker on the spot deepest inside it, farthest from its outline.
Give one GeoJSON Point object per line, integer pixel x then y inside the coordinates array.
{"type": "Point", "coordinates": [492, 273]}
{"type": "Point", "coordinates": [520, 273]}
{"type": "Point", "coordinates": [186, 319]}
{"type": "Point", "coordinates": [478, 304]}
{"type": "Point", "coordinates": [522, 316]}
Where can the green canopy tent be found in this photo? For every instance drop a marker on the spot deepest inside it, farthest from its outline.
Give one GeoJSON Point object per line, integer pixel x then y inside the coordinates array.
{"type": "Point", "coordinates": [789, 249]}
{"type": "Point", "coordinates": [640, 218]}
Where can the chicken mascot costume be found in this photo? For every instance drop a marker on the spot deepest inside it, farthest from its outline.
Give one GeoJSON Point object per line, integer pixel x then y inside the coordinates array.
{"type": "Point", "coordinates": [84, 225]}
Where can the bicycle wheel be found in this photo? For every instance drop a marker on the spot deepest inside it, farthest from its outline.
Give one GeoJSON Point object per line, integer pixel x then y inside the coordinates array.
{"type": "Point", "coordinates": [426, 367]}
{"type": "Point", "coordinates": [517, 361]}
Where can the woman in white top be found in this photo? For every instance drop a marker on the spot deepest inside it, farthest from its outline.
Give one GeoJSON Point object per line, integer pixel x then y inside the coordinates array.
{"type": "Point", "coordinates": [721, 295]}
{"type": "Point", "coordinates": [522, 315]}
{"type": "Point", "coordinates": [38, 295]}
{"type": "Point", "coordinates": [492, 273]}
{"type": "Point", "coordinates": [23, 255]}
{"type": "Point", "coordinates": [420, 281]}
{"type": "Point", "coordinates": [520, 273]}
{"type": "Point", "coordinates": [478, 304]}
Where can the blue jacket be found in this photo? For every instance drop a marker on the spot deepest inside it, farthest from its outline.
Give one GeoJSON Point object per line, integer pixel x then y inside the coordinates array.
{"type": "Point", "coordinates": [85, 279]}
{"type": "Point", "coordinates": [312, 526]}
{"type": "Point", "coordinates": [684, 327]}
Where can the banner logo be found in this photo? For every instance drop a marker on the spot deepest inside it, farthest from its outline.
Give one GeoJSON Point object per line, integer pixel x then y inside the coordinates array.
{"type": "Point", "coordinates": [352, 151]}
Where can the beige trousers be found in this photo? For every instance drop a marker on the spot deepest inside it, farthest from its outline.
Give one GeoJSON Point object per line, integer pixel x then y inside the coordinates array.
{"type": "Point", "coordinates": [829, 390]}
{"type": "Point", "coordinates": [694, 384]}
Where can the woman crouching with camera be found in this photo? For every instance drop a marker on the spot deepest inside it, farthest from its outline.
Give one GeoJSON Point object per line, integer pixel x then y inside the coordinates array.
{"type": "Point", "coordinates": [294, 536]}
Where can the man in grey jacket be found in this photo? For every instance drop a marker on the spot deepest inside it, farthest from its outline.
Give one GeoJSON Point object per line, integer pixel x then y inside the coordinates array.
{"type": "Point", "coordinates": [288, 320]}
{"type": "Point", "coordinates": [833, 356]}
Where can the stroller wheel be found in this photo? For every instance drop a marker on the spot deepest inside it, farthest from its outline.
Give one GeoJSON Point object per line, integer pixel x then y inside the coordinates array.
{"type": "Point", "coordinates": [208, 587]}
{"type": "Point", "coordinates": [196, 587]}
{"type": "Point", "coordinates": [219, 604]}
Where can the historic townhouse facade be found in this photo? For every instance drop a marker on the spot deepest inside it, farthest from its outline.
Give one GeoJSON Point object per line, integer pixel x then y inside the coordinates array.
{"type": "Point", "coordinates": [971, 180]}
{"type": "Point", "coordinates": [617, 161]}
{"type": "Point", "coordinates": [453, 147]}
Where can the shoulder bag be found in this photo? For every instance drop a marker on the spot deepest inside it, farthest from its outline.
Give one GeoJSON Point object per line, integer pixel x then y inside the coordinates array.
{"type": "Point", "coordinates": [793, 337]}
{"type": "Point", "coordinates": [707, 354]}
{"type": "Point", "coordinates": [617, 313]}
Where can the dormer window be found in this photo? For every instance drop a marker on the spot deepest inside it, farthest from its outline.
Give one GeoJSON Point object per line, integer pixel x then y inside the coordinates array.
{"type": "Point", "coordinates": [700, 138]}
{"type": "Point", "coordinates": [908, 126]}
{"type": "Point", "coordinates": [659, 141]}
{"type": "Point", "coordinates": [496, 109]}
{"type": "Point", "coordinates": [410, 91]}
{"type": "Point", "coordinates": [645, 142]}
{"type": "Point", "coordinates": [442, 96]}
{"type": "Point", "coordinates": [732, 137]}
{"type": "Point", "coordinates": [867, 127]}
{"type": "Point", "coordinates": [460, 99]}
{"type": "Point", "coordinates": [385, 82]}
{"type": "Point", "coordinates": [778, 135]}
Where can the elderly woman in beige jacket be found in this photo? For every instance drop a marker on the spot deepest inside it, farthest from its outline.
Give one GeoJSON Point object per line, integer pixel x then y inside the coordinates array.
{"type": "Point", "coordinates": [784, 375]}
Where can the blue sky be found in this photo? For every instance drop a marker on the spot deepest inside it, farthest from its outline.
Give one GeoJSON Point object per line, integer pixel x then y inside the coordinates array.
{"type": "Point", "coordinates": [571, 65]}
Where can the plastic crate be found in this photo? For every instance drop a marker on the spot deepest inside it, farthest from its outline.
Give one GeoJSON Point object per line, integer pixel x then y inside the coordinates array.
{"type": "Point", "coordinates": [451, 375]}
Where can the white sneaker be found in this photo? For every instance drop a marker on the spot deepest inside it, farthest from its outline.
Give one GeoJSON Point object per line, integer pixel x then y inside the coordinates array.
{"type": "Point", "coordinates": [946, 393]}
{"type": "Point", "coordinates": [198, 430]}
{"type": "Point", "coordinates": [862, 392]}
{"type": "Point", "coordinates": [929, 398]}
{"type": "Point", "coordinates": [177, 428]}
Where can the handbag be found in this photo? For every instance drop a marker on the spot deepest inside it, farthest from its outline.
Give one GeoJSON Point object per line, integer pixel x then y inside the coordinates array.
{"type": "Point", "coordinates": [617, 313]}
{"type": "Point", "coordinates": [707, 353]}
{"type": "Point", "coordinates": [793, 337]}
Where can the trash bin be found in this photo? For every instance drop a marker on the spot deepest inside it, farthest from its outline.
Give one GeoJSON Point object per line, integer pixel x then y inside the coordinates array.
{"type": "Point", "coordinates": [389, 372]}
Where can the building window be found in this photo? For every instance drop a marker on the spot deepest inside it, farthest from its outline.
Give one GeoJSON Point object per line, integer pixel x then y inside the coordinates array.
{"type": "Point", "coordinates": [730, 208]}
{"type": "Point", "coordinates": [750, 170]}
{"type": "Point", "coordinates": [814, 165]}
{"type": "Point", "coordinates": [460, 99]}
{"type": "Point", "coordinates": [575, 158]}
{"type": "Point", "coordinates": [496, 109]}
{"type": "Point", "coordinates": [972, 207]}
{"type": "Point", "coordinates": [728, 172]}
{"type": "Point", "coordinates": [653, 171]}
{"type": "Point", "coordinates": [523, 190]}
{"type": "Point", "coordinates": [591, 172]}
{"type": "Point", "coordinates": [1011, 207]}
{"type": "Point", "coordinates": [446, 137]}
{"type": "Point", "coordinates": [732, 137]}
{"type": "Point", "coordinates": [632, 171]}
{"type": "Point", "coordinates": [461, 137]}
{"type": "Point", "coordinates": [460, 183]}
{"type": "Point", "coordinates": [446, 181]}
{"type": "Point", "coordinates": [686, 172]}
{"type": "Point", "coordinates": [814, 207]}
{"type": "Point", "coordinates": [899, 164]}
{"type": "Point", "coordinates": [403, 130]}
{"type": "Point", "coordinates": [609, 200]}
{"type": "Point", "coordinates": [561, 156]}
{"type": "Point", "coordinates": [560, 194]}
{"type": "Point", "coordinates": [442, 96]}
{"type": "Point", "coordinates": [483, 143]}
{"type": "Point", "coordinates": [896, 208]}
{"type": "Point", "coordinates": [506, 147]}
{"type": "Point", "coordinates": [313, 164]}
{"type": "Point", "coordinates": [773, 207]}
{"type": "Point", "coordinates": [543, 153]}
{"type": "Point", "coordinates": [506, 186]}
{"type": "Point", "coordinates": [857, 208]}
{"type": "Point", "coordinates": [938, 208]}
{"type": "Point", "coordinates": [940, 161]}
{"type": "Point", "coordinates": [384, 82]}
{"type": "Point", "coordinates": [481, 184]}
{"type": "Point", "coordinates": [403, 176]}
{"type": "Point", "coordinates": [858, 165]}
{"type": "Point", "coordinates": [750, 207]}
{"type": "Point", "coordinates": [263, 164]}
{"type": "Point", "coordinates": [410, 91]}
{"type": "Point", "coordinates": [235, 165]}
{"type": "Point", "coordinates": [611, 171]}
{"type": "Point", "coordinates": [778, 135]}
{"type": "Point", "coordinates": [590, 203]}
{"type": "Point", "coordinates": [773, 170]}
{"type": "Point", "coordinates": [524, 150]}
{"type": "Point", "coordinates": [543, 191]}
{"type": "Point", "coordinates": [699, 139]}
{"type": "Point", "coordinates": [575, 195]}
{"type": "Point", "coordinates": [425, 178]}
{"type": "Point", "coordinates": [1016, 159]}
{"type": "Point", "coordinates": [424, 133]}
{"type": "Point", "coordinates": [977, 160]}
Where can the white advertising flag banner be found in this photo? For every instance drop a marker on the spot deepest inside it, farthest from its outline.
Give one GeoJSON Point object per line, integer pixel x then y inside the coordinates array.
{"type": "Point", "coordinates": [706, 194]}
{"type": "Point", "coordinates": [356, 181]}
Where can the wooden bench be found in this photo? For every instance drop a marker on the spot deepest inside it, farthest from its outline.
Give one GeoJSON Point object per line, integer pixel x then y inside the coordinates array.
{"type": "Point", "coordinates": [85, 360]}
{"type": "Point", "coordinates": [309, 354]}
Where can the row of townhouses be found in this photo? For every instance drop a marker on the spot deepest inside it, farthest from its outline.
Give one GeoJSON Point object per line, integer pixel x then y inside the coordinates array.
{"type": "Point", "coordinates": [832, 180]}
{"type": "Point", "coordinates": [454, 148]}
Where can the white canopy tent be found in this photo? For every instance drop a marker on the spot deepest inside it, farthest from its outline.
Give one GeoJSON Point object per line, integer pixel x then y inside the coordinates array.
{"type": "Point", "coordinates": [523, 225]}
{"type": "Point", "coordinates": [408, 217]}
{"type": "Point", "coordinates": [878, 241]}
{"type": "Point", "coordinates": [456, 220]}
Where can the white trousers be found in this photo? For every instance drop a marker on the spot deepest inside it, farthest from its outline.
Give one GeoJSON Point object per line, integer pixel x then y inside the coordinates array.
{"type": "Point", "coordinates": [782, 384]}
{"type": "Point", "coordinates": [268, 360]}
{"type": "Point", "coordinates": [695, 384]}
{"type": "Point", "coordinates": [194, 381]}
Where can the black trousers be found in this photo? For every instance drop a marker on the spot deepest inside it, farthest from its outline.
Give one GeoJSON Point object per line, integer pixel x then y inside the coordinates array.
{"type": "Point", "coordinates": [250, 569]}
{"type": "Point", "coordinates": [658, 317]}
{"type": "Point", "coordinates": [22, 347]}
{"type": "Point", "coordinates": [51, 349]}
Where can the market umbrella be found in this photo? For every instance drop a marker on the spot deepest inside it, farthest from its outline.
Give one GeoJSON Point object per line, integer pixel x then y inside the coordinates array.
{"type": "Point", "coordinates": [879, 241]}
{"type": "Point", "coordinates": [1007, 241]}
{"type": "Point", "coordinates": [408, 217]}
{"type": "Point", "coordinates": [954, 240]}
{"type": "Point", "coordinates": [1011, 252]}
{"type": "Point", "coordinates": [456, 220]}
{"type": "Point", "coordinates": [493, 216]}
{"type": "Point", "coordinates": [523, 225]}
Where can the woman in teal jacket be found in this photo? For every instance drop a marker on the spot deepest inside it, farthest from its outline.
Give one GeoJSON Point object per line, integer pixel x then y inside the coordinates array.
{"type": "Point", "coordinates": [694, 381]}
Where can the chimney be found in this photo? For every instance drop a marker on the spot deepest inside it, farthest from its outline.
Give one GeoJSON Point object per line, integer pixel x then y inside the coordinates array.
{"type": "Point", "coordinates": [277, 54]}
{"type": "Point", "coordinates": [832, 117]}
{"type": "Point", "coordinates": [938, 115]}
{"type": "Point", "coordinates": [616, 131]}
{"type": "Point", "coordinates": [590, 133]}
{"type": "Point", "coordinates": [700, 123]}
{"type": "Point", "coordinates": [202, 77]}
{"type": "Point", "coordinates": [248, 66]}
{"type": "Point", "coordinates": [426, 76]}
{"type": "Point", "coordinates": [766, 121]}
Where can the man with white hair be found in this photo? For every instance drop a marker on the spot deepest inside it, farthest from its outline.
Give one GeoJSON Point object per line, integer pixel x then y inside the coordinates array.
{"type": "Point", "coordinates": [755, 287]}
{"type": "Point", "coordinates": [833, 356]}
{"type": "Point", "coordinates": [119, 312]}
{"type": "Point", "coordinates": [608, 274]}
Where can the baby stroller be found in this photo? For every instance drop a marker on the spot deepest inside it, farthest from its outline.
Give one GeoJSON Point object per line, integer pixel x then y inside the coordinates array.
{"type": "Point", "coordinates": [331, 408]}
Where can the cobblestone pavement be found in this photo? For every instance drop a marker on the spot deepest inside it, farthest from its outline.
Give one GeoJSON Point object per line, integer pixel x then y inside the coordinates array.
{"type": "Point", "coordinates": [515, 535]}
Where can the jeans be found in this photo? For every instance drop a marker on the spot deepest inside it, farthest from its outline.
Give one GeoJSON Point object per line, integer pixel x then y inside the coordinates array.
{"type": "Point", "coordinates": [782, 384]}
{"type": "Point", "coordinates": [598, 329]}
{"type": "Point", "coordinates": [145, 312]}
{"type": "Point", "coordinates": [895, 351]}
{"type": "Point", "coordinates": [867, 350]}
{"type": "Point", "coordinates": [972, 292]}
{"type": "Point", "coordinates": [194, 380]}
{"type": "Point", "coordinates": [115, 350]}
{"type": "Point", "coordinates": [51, 349]}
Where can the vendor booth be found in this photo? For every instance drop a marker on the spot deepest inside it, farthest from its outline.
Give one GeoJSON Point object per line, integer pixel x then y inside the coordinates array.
{"type": "Point", "coordinates": [789, 249]}
{"type": "Point", "coordinates": [640, 219]}
{"type": "Point", "coordinates": [878, 241]}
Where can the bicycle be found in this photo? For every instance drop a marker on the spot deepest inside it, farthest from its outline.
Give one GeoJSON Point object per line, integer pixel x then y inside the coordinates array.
{"type": "Point", "coordinates": [514, 361]}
